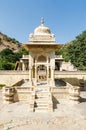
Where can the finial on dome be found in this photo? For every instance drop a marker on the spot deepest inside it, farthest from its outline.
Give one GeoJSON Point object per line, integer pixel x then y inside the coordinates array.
{"type": "Point", "coordinates": [42, 21]}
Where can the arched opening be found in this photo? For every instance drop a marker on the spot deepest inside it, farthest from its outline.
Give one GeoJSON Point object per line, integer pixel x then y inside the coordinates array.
{"type": "Point", "coordinates": [41, 59]}
{"type": "Point", "coordinates": [42, 73]}
{"type": "Point", "coordinates": [57, 65]}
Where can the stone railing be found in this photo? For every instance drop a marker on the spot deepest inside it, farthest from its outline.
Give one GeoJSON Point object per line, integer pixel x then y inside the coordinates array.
{"type": "Point", "coordinates": [15, 72]}
{"type": "Point", "coordinates": [71, 72]}
{"type": "Point", "coordinates": [23, 94]}
{"type": "Point", "coordinates": [60, 89]}
{"type": "Point", "coordinates": [26, 94]}
{"type": "Point", "coordinates": [74, 93]}
{"type": "Point", "coordinates": [25, 56]}
{"type": "Point", "coordinates": [50, 103]}
{"type": "Point", "coordinates": [25, 89]}
{"type": "Point", "coordinates": [68, 92]}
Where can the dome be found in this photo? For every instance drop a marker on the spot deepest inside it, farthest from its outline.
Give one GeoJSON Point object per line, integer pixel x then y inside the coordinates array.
{"type": "Point", "coordinates": [42, 29]}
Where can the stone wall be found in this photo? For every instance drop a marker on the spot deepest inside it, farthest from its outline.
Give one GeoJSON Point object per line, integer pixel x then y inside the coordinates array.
{"type": "Point", "coordinates": [69, 94]}
{"type": "Point", "coordinates": [70, 74]}
{"type": "Point", "coordinates": [24, 94]}
{"type": "Point", "coordinates": [59, 94]}
{"type": "Point", "coordinates": [19, 94]}
{"type": "Point", "coordinates": [9, 78]}
{"type": "Point", "coordinates": [72, 77]}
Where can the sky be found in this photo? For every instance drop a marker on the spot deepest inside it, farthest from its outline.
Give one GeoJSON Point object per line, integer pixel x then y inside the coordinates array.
{"type": "Point", "coordinates": [65, 18]}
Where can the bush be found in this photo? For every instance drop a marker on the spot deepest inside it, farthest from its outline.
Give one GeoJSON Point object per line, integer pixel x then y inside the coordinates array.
{"type": "Point", "coordinates": [8, 66]}
{"type": "Point", "coordinates": [8, 58]}
{"type": "Point", "coordinates": [2, 85]}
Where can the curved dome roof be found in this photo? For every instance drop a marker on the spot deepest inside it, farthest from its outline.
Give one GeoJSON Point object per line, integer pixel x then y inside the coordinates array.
{"type": "Point", "coordinates": [42, 29]}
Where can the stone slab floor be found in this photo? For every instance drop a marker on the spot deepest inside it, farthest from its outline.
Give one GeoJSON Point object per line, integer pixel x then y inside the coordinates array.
{"type": "Point", "coordinates": [66, 117]}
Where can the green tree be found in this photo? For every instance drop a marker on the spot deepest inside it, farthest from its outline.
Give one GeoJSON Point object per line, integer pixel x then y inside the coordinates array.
{"type": "Point", "coordinates": [5, 52]}
{"type": "Point", "coordinates": [23, 51]}
{"type": "Point", "coordinates": [8, 66]}
{"type": "Point", "coordinates": [63, 51]}
{"type": "Point", "coordinates": [8, 58]}
{"type": "Point", "coordinates": [76, 51]}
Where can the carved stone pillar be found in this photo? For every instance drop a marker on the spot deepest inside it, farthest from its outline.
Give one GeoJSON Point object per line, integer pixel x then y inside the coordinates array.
{"type": "Point", "coordinates": [52, 77]}
{"type": "Point", "coordinates": [30, 75]}
{"type": "Point", "coordinates": [35, 74]}
{"type": "Point", "coordinates": [47, 72]}
{"type": "Point", "coordinates": [52, 73]}
{"type": "Point", "coordinates": [47, 69]}
{"type": "Point", "coordinates": [23, 66]}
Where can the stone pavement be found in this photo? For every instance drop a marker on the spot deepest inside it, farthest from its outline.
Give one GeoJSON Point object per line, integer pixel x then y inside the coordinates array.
{"type": "Point", "coordinates": [66, 117]}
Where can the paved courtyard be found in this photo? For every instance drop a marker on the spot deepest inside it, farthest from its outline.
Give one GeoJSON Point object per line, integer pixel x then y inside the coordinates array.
{"type": "Point", "coordinates": [66, 117]}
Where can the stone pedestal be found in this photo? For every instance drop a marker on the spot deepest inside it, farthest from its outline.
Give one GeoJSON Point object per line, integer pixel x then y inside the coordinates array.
{"type": "Point", "coordinates": [8, 94]}
{"type": "Point", "coordinates": [74, 94]}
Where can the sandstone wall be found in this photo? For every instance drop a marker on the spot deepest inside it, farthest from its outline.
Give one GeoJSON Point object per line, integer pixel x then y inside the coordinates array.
{"type": "Point", "coordinates": [9, 78]}
{"type": "Point", "coordinates": [59, 95]}
{"type": "Point", "coordinates": [73, 77]}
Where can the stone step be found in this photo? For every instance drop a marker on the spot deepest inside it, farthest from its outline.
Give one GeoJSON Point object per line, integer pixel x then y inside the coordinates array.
{"type": "Point", "coordinates": [42, 95]}
{"type": "Point", "coordinates": [42, 100]}
{"type": "Point", "coordinates": [43, 89]}
{"type": "Point", "coordinates": [41, 106]}
{"type": "Point", "coordinates": [43, 103]}
{"type": "Point", "coordinates": [42, 92]}
{"type": "Point", "coordinates": [43, 109]}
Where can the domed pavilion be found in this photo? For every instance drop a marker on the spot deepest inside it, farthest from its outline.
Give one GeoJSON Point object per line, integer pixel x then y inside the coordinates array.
{"type": "Point", "coordinates": [41, 47]}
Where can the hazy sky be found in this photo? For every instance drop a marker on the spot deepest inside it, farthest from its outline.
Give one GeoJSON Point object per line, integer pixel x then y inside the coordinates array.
{"type": "Point", "coordinates": [65, 18]}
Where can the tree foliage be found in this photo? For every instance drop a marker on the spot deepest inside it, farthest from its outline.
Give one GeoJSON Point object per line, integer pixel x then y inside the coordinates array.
{"type": "Point", "coordinates": [8, 58]}
{"type": "Point", "coordinates": [75, 51]}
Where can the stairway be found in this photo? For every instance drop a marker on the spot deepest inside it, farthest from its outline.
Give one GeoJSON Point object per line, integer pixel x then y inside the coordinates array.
{"type": "Point", "coordinates": [43, 100]}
